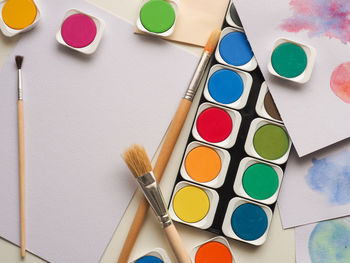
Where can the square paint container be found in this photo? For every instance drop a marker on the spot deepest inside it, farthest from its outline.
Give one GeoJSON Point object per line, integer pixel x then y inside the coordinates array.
{"type": "Point", "coordinates": [193, 205]}
{"type": "Point", "coordinates": [258, 181]}
{"type": "Point", "coordinates": [217, 125]}
{"type": "Point", "coordinates": [234, 50]}
{"type": "Point", "coordinates": [157, 17]}
{"type": "Point", "coordinates": [234, 182]}
{"type": "Point", "coordinates": [227, 86]}
{"type": "Point", "coordinates": [204, 164]}
{"type": "Point", "coordinates": [268, 141]}
{"type": "Point", "coordinates": [158, 255]}
{"type": "Point", "coordinates": [232, 17]}
{"type": "Point", "coordinates": [265, 107]}
{"type": "Point", "coordinates": [80, 31]}
{"type": "Point", "coordinates": [11, 24]}
{"type": "Point", "coordinates": [216, 249]}
{"type": "Point", "coordinates": [247, 221]}
{"type": "Point", "coordinates": [292, 60]}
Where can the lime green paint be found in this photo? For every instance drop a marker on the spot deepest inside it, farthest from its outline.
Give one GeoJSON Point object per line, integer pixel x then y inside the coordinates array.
{"type": "Point", "coordinates": [271, 142]}
{"type": "Point", "coordinates": [260, 181]}
{"type": "Point", "coordinates": [157, 16]}
{"type": "Point", "coordinates": [289, 60]}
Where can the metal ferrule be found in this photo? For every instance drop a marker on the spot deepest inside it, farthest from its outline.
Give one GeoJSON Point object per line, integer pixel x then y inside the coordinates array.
{"type": "Point", "coordinates": [20, 90]}
{"type": "Point", "coordinates": [197, 76]}
{"type": "Point", "coordinates": [154, 196]}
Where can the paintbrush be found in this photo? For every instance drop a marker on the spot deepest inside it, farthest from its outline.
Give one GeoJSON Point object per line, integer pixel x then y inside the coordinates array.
{"type": "Point", "coordinates": [170, 141]}
{"type": "Point", "coordinates": [139, 164]}
{"type": "Point", "coordinates": [20, 119]}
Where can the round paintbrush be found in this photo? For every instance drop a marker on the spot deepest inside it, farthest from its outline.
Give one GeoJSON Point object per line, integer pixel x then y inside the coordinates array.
{"type": "Point", "coordinates": [139, 164]}
{"type": "Point", "coordinates": [20, 119]}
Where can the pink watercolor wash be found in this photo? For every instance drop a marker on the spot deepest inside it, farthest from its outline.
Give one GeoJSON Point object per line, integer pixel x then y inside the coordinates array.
{"type": "Point", "coordinates": [340, 82]}
{"type": "Point", "coordinates": [330, 18]}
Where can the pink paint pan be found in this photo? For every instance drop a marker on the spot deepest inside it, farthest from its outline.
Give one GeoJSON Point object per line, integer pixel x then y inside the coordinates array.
{"type": "Point", "coordinates": [80, 31]}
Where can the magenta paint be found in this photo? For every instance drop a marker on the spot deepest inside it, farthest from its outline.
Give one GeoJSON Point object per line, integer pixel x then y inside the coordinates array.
{"type": "Point", "coordinates": [78, 30]}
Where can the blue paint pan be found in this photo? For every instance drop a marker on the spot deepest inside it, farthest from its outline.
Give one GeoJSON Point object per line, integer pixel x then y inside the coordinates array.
{"type": "Point", "coordinates": [234, 50]}
{"type": "Point", "coordinates": [228, 87]}
{"type": "Point", "coordinates": [247, 221]}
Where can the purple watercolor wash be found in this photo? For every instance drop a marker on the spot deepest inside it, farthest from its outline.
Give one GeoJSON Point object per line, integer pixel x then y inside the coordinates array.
{"type": "Point", "coordinates": [330, 18]}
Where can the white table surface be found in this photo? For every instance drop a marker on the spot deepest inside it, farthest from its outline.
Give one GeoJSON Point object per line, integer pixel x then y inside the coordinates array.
{"type": "Point", "coordinates": [279, 248]}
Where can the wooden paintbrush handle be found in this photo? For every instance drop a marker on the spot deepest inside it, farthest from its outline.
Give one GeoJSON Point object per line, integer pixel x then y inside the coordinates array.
{"type": "Point", "coordinates": [134, 231]}
{"type": "Point", "coordinates": [171, 138]}
{"type": "Point", "coordinates": [164, 155]}
{"type": "Point", "coordinates": [177, 245]}
{"type": "Point", "coordinates": [21, 175]}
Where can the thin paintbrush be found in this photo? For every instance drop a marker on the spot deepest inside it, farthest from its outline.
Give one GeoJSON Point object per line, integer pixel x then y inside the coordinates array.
{"type": "Point", "coordinates": [20, 119]}
{"type": "Point", "coordinates": [169, 142]}
{"type": "Point", "coordinates": [139, 164]}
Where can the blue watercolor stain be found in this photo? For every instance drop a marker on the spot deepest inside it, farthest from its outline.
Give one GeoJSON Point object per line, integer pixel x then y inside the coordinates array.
{"type": "Point", "coordinates": [329, 242]}
{"type": "Point", "coordinates": [331, 177]}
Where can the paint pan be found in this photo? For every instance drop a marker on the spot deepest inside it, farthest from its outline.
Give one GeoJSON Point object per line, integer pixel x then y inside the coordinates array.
{"type": "Point", "coordinates": [234, 50]}
{"type": "Point", "coordinates": [265, 106]}
{"type": "Point", "coordinates": [216, 249]}
{"type": "Point", "coordinates": [157, 17]}
{"type": "Point", "coordinates": [268, 140]}
{"type": "Point", "coordinates": [237, 147]}
{"type": "Point", "coordinates": [193, 205]}
{"type": "Point", "coordinates": [228, 87]}
{"type": "Point", "coordinates": [258, 181]}
{"type": "Point", "coordinates": [216, 125]}
{"type": "Point", "coordinates": [80, 31]}
{"type": "Point", "coordinates": [232, 17]}
{"type": "Point", "coordinates": [18, 16]}
{"type": "Point", "coordinates": [247, 221]}
{"type": "Point", "coordinates": [158, 255]}
{"type": "Point", "coordinates": [206, 165]}
{"type": "Point", "coordinates": [292, 60]}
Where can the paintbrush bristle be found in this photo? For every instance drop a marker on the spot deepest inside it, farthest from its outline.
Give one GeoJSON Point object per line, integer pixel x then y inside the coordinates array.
{"type": "Point", "coordinates": [19, 60]}
{"type": "Point", "coordinates": [137, 160]}
{"type": "Point", "coordinates": [213, 41]}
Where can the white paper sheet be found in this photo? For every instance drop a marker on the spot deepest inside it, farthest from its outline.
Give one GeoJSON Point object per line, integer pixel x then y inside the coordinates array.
{"type": "Point", "coordinates": [325, 242]}
{"type": "Point", "coordinates": [314, 116]}
{"type": "Point", "coordinates": [316, 187]}
{"type": "Point", "coordinates": [80, 114]}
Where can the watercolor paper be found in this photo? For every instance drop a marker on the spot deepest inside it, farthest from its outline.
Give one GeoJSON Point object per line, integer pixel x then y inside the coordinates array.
{"type": "Point", "coordinates": [314, 113]}
{"type": "Point", "coordinates": [80, 113]}
{"type": "Point", "coordinates": [324, 242]}
{"type": "Point", "coordinates": [316, 187]}
{"type": "Point", "coordinates": [196, 20]}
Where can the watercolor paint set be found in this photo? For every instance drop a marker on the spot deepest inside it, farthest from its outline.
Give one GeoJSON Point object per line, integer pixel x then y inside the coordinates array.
{"type": "Point", "coordinates": [234, 160]}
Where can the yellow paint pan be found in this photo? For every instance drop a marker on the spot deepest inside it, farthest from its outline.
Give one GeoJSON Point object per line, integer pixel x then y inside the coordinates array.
{"type": "Point", "coordinates": [18, 16]}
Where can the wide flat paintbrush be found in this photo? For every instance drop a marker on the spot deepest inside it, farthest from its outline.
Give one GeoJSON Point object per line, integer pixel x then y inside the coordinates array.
{"type": "Point", "coordinates": [139, 164]}
{"type": "Point", "coordinates": [20, 119]}
{"type": "Point", "coordinates": [170, 141]}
